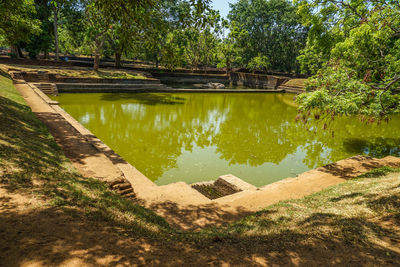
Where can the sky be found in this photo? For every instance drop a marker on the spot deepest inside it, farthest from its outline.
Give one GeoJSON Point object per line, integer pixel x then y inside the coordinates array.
{"type": "Point", "coordinates": [222, 6]}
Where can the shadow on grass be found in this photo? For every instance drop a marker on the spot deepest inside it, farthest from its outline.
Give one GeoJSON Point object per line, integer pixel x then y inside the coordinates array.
{"type": "Point", "coordinates": [388, 205]}
{"type": "Point", "coordinates": [56, 238]}
{"type": "Point", "coordinates": [26, 147]}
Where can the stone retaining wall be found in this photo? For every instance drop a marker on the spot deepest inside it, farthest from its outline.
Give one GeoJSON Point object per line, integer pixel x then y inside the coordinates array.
{"type": "Point", "coordinates": [190, 78]}
{"type": "Point", "coordinates": [57, 79]}
{"type": "Point", "coordinates": [250, 80]}
{"type": "Point", "coordinates": [256, 80]}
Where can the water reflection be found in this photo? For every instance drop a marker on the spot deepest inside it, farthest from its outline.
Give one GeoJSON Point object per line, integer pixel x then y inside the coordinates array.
{"type": "Point", "coordinates": [197, 137]}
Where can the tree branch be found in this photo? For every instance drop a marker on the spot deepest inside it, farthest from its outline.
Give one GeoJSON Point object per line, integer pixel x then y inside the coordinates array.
{"type": "Point", "coordinates": [392, 81]}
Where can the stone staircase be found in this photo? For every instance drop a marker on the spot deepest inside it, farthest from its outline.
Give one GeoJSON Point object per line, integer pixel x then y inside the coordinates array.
{"type": "Point", "coordinates": [47, 88]}
{"type": "Point", "coordinates": [42, 76]}
{"type": "Point", "coordinates": [225, 185]}
{"type": "Point", "coordinates": [123, 187]}
{"type": "Point", "coordinates": [292, 89]}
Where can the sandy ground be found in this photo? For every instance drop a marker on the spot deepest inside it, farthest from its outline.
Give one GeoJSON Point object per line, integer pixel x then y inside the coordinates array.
{"type": "Point", "coordinates": [35, 234]}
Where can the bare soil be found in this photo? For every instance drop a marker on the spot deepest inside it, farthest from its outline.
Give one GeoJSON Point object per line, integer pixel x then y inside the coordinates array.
{"type": "Point", "coordinates": [34, 234]}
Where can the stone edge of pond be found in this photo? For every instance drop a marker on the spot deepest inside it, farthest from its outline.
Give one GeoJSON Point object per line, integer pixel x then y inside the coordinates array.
{"type": "Point", "coordinates": [237, 198]}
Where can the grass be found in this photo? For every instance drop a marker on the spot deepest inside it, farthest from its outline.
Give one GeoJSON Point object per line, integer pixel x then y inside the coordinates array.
{"type": "Point", "coordinates": [81, 72]}
{"type": "Point", "coordinates": [344, 212]}
{"type": "Point", "coordinates": [358, 219]}
{"type": "Point", "coordinates": [296, 82]}
{"type": "Point", "coordinates": [379, 172]}
{"type": "Point", "coordinates": [7, 88]}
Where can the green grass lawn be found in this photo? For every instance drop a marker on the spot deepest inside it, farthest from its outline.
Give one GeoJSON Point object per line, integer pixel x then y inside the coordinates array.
{"type": "Point", "coordinates": [359, 218]}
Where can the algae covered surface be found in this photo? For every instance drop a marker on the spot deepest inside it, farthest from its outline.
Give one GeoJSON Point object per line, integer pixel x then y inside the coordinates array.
{"type": "Point", "coordinates": [195, 137]}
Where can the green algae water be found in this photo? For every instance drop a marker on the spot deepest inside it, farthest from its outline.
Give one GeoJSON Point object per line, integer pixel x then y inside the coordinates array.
{"type": "Point", "coordinates": [195, 137]}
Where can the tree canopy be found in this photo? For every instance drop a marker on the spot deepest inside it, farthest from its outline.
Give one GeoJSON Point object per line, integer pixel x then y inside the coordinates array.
{"type": "Point", "coordinates": [18, 23]}
{"type": "Point", "coordinates": [350, 47]}
{"type": "Point", "coordinates": [268, 33]}
{"type": "Point", "coordinates": [353, 48]}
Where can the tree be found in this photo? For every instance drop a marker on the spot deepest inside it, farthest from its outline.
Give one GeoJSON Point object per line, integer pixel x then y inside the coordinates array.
{"type": "Point", "coordinates": [98, 27]}
{"type": "Point", "coordinates": [227, 51]}
{"type": "Point", "coordinates": [41, 41]}
{"type": "Point", "coordinates": [178, 34]}
{"type": "Point", "coordinates": [269, 29]}
{"type": "Point", "coordinates": [57, 5]}
{"type": "Point", "coordinates": [72, 28]}
{"type": "Point", "coordinates": [359, 44]}
{"type": "Point", "coordinates": [17, 22]}
{"type": "Point", "coordinates": [103, 14]}
{"type": "Point", "coordinates": [260, 63]}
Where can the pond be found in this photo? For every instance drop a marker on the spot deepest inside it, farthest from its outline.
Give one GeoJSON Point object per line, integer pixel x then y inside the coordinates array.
{"type": "Point", "coordinates": [195, 137]}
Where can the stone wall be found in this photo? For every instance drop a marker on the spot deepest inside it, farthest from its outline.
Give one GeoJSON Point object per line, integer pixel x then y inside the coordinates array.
{"type": "Point", "coordinates": [190, 78]}
{"type": "Point", "coordinates": [57, 79]}
{"type": "Point", "coordinates": [256, 80]}
{"type": "Point", "coordinates": [250, 80]}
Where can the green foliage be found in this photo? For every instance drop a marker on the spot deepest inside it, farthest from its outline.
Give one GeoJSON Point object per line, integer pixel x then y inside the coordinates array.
{"type": "Point", "coordinates": [267, 28]}
{"type": "Point", "coordinates": [358, 47]}
{"type": "Point", "coordinates": [181, 36]}
{"type": "Point", "coordinates": [17, 22]}
{"type": "Point", "coordinates": [43, 40]}
{"type": "Point", "coordinates": [227, 55]}
{"type": "Point", "coordinates": [72, 28]}
{"type": "Point", "coordinates": [259, 62]}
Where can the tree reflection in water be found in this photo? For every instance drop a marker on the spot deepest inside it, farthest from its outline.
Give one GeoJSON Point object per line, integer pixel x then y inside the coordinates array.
{"type": "Point", "coordinates": [199, 136]}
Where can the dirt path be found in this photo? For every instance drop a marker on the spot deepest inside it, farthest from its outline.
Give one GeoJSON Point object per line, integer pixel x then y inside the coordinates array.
{"type": "Point", "coordinates": [89, 161]}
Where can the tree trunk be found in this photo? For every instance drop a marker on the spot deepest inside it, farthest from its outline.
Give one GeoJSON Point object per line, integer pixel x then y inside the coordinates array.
{"type": "Point", "coordinates": [157, 62]}
{"type": "Point", "coordinates": [46, 53]}
{"type": "Point", "coordinates": [19, 52]}
{"type": "Point", "coordinates": [56, 31]}
{"type": "Point", "coordinates": [96, 64]}
{"type": "Point", "coordinates": [14, 50]}
{"type": "Point", "coordinates": [117, 59]}
{"type": "Point", "coordinates": [97, 54]}
{"type": "Point", "coordinates": [228, 66]}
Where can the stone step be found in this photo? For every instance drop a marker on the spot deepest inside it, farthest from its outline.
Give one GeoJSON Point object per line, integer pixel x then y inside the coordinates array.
{"type": "Point", "coordinates": [47, 88]}
{"type": "Point", "coordinates": [225, 185]}
{"type": "Point", "coordinates": [126, 191]}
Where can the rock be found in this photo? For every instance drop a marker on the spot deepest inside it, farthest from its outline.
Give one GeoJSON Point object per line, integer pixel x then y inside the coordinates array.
{"type": "Point", "coordinates": [216, 85]}
{"type": "Point", "coordinates": [209, 85]}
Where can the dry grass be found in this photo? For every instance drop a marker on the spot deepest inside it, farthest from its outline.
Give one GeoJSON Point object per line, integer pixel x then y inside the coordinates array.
{"type": "Point", "coordinates": [81, 72]}
{"type": "Point", "coordinates": [296, 82]}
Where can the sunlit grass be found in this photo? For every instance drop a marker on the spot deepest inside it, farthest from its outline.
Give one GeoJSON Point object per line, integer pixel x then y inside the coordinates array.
{"type": "Point", "coordinates": [82, 72]}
